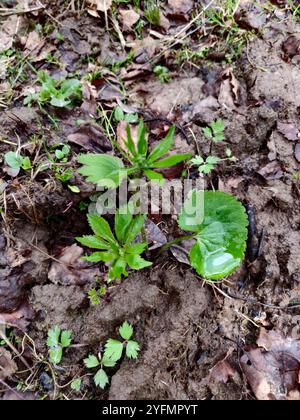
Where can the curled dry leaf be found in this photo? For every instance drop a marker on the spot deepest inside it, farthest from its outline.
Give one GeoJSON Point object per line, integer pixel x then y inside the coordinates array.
{"type": "Point", "coordinates": [70, 269]}
{"type": "Point", "coordinates": [272, 369]}
{"type": "Point", "coordinates": [230, 94]}
{"type": "Point", "coordinates": [101, 5]}
{"type": "Point", "coordinates": [89, 97]}
{"type": "Point", "coordinates": [288, 130]}
{"type": "Point", "coordinates": [222, 371]}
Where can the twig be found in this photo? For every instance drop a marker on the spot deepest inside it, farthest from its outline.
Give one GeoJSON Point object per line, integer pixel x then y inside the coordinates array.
{"type": "Point", "coordinates": [8, 12]}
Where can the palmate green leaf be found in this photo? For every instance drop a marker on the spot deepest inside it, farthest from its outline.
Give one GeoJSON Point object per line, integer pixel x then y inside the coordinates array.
{"type": "Point", "coordinates": [126, 331]}
{"type": "Point", "coordinates": [104, 170]}
{"type": "Point", "coordinates": [171, 160]}
{"type": "Point", "coordinates": [221, 236]}
{"type": "Point", "coordinates": [132, 349]}
{"type": "Point", "coordinates": [53, 336]}
{"type": "Point", "coordinates": [108, 362]}
{"type": "Point", "coordinates": [113, 350]}
{"type": "Point", "coordinates": [91, 362]}
{"type": "Point", "coordinates": [66, 338]}
{"type": "Point", "coordinates": [218, 126]}
{"type": "Point", "coordinates": [163, 147]}
{"type": "Point", "coordinates": [56, 355]}
{"type": "Point", "coordinates": [101, 379]}
{"type": "Point", "coordinates": [136, 262]}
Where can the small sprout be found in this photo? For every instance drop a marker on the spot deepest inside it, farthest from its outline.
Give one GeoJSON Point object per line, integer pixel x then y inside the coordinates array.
{"type": "Point", "coordinates": [215, 131]}
{"type": "Point", "coordinates": [76, 385]}
{"type": "Point", "coordinates": [162, 73]}
{"type": "Point", "coordinates": [205, 166]}
{"type": "Point", "coordinates": [58, 93]}
{"type": "Point", "coordinates": [152, 12]}
{"type": "Point", "coordinates": [112, 354]}
{"type": "Point", "coordinates": [57, 341]}
{"type": "Point", "coordinates": [120, 115]}
{"type": "Point", "coordinates": [16, 161]}
{"type": "Point", "coordinates": [95, 295]}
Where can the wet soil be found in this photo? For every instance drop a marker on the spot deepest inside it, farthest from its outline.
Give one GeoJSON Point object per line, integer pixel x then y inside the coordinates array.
{"type": "Point", "coordinates": [184, 326]}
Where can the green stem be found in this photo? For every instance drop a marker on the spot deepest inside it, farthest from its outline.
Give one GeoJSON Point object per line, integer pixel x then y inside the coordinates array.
{"type": "Point", "coordinates": [175, 241]}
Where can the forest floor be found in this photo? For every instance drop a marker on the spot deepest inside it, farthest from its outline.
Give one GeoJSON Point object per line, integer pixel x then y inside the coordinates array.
{"type": "Point", "coordinates": [178, 61]}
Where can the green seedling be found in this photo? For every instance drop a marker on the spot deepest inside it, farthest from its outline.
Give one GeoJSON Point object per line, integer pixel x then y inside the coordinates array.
{"type": "Point", "coordinates": [215, 131]}
{"type": "Point", "coordinates": [62, 152]}
{"type": "Point", "coordinates": [120, 115]}
{"type": "Point", "coordinates": [16, 161]}
{"type": "Point", "coordinates": [205, 166]}
{"type": "Point", "coordinates": [76, 385]}
{"type": "Point", "coordinates": [162, 73]}
{"type": "Point", "coordinates": [58, 93]}
{"type": "Point", "coordinates": [57, 341]}
{"type": "Point", "coordinates": [219, 225]}
{"type": "Point", "coordinates": [116, 250]}
{"type": "Point", "coordinates": [109, 171]}
{"type": "Point", "coordinates": [152, 12]}
{"type": "Point", "coordinates": [95, 295]}
{"type": "Point", "coordinates": [112, 354]}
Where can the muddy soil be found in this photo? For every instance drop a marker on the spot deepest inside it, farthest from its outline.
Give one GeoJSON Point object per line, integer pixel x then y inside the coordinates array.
{"type": "Point", "coordinates": [185, 327]}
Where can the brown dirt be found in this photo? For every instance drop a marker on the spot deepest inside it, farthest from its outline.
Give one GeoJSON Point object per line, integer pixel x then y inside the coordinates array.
{"type": "Point", "coordinates": [184, 327]}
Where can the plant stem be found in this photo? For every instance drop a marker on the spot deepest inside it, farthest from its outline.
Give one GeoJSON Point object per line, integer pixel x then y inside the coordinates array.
{"type": "Point", "coordinates": [175, 241]}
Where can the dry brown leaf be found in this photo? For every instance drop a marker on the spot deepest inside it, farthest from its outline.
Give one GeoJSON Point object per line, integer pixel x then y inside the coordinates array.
{"type": "Point", "coordinates": [122, 135]}
{"type": "Point", "coordinates": [222, 371]}
{"type": "Point", "coordinates": [71, 269]}
{"type": "Point", "coordinates": [89, 98]}
{"type": "Point", "coordinates": [90, 136]}
{"type": "Point", "coordinates": [129, 18]}
{"type": "Point", "coordinates": [291, 46]}
{"type": "Point", "coordinates": [272, 369]}
{"type": "Point", "coordinates": [288, 130]}
{"type": "Point", "coordinates": [101, 5]}
{"type": "Point", "coordinates": [179, 8]}
{"type": "Point", "coordinates": [7, 366]}
{"type": "Point", "coordinates": [33, 41]}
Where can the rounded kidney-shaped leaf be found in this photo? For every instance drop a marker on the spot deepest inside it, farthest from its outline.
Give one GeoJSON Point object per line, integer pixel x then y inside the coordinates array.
{"type": "Point", "coordinates": [221, 229]}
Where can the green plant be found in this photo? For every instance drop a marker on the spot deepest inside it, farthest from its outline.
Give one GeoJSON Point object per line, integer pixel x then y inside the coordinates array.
{"type": "Point", "coordinates": [118, 251]}
{"type": "Point", "coordinates": [76, 385]}
{"type": "Point", "coordinates": [15, 161]}
{"type": "Point", "coordinates": [112, 354]}
{"type": "Point", "coordinates": [219, 225]}
{"type": "Point", "coordinates": [205, 166]}
{"type": "Point", "coordinates": [215, 131]}
{"type": "Point", "coordinates": [152, 12]}
{"type": "Point", "coordinates": [120, 115]}
{"type": "Point", "coordinates": [58, 93]}
{"type": "Point", "coordinates": [57, 341]}
{"type": "Point", "coordinates": [162, 73]}
{"type": "Point", "coordinates": [96, 294]}
{"type": "Point", "coordinates": [109, 171]}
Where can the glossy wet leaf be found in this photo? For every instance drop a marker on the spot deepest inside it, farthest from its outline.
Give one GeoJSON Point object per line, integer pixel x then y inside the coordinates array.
{"type": "Point", "coordinates": [221, 235]}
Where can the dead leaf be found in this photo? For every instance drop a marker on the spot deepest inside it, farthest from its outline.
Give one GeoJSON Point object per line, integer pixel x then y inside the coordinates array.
{"type": "Point", "coordinates": [155, 236]}
{"type": "Point", "coordinates": [222, 371]}
{"type": "Point", "coordinates": [101, 5]}
{"type": "Point", "coordinates": [7, 366]}
{"type": "Point", "coordinates": [89, 98]}
{"type": "Point", "coordinates": [71, 269]}
{"type": "Point", "coordinates": [230, 94]}
{"type": "Point", "coordinates": [122, 135]}
{"type": "Point", "coordinates": [271, 171]}
{"type": "Point", "coordinates": [90, 136]}
{"type": "Point", "coordinates": [33, 42]}
{"type": "Point", "coordinates": [19, 396]}
{"type": "Point", "coordinates": [250, 15]}
{"type": "Point", "coordinates": [20, 318]}
{"type": "Point", "coordinates": [288, 130]}
{"type": "Point", "coordinates": [297, 152]}
{"type": "Point", "coordinates": [179, 8]}
{"type": "Point", "coordinates": [129, 18]}
{"type": "Point", "coordinates": [272, 369]}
